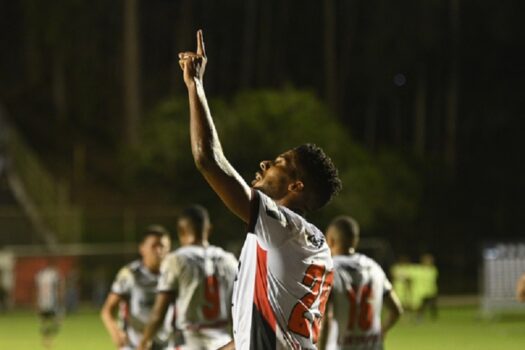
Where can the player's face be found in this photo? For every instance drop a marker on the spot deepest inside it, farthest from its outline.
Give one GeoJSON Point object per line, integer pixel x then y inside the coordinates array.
{"type": "Point", "coordinates": [154, 249]}
{"type": "Point", "coordinates": [276, 175]}
{"type": "Point", "coordinates": [331, 234]}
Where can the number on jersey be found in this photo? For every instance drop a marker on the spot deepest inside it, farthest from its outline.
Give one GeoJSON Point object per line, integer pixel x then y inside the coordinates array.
{"type": "Point", "coordinates": [361, 311]}
{"type": "Point", "coordinates": [212, 307]}
{"type": "Point", "coordinates": [313, 279]}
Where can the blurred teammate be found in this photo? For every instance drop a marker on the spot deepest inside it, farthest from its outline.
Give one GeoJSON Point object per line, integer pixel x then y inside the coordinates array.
{"type": "Point", "coordinates": [134, 291]}
{"type": "Point", "coordinates": [359, 291]}
{"type": "Point", "coordinates": [520, 289]}
{"type": "Point", "coordinates": [50, 292]}
{"type": "Point", "coordinates": [200, 278]}
{"type": "Point", "coordinates": [285, 269]}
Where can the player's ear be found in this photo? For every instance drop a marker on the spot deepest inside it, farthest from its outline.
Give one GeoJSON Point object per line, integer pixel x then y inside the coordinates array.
{"type": "Point", "coordinates": [296, 186]}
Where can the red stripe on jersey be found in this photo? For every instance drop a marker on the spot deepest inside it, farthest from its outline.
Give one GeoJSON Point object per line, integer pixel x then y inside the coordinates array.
{"type": "Point", "coordinates": [261, 288]}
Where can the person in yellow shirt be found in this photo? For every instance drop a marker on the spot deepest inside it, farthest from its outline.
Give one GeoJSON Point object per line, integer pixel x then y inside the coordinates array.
{"type": "Point", "coordinates": [427, 289]}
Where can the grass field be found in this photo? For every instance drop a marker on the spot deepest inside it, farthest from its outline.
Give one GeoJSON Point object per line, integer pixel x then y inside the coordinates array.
{"type": "Point", "coordinates": [456, 329]}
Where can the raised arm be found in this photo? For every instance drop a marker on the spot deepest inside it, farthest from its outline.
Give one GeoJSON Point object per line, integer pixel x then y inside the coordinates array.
{"type": "Point", "coordinates": [205, 145]}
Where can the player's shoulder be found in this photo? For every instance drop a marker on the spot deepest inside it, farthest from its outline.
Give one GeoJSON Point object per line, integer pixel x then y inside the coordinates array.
{"type": "Point", "coordinates": [172, 256]}
{"type": "Point", "coordinates": [128, 271]}
{"type": "Point", "coordinates": [134, 265]}
{"type": "Point", "coordinates": [220, 253]}
{"type": "Point", "coordinates": [288, 217]}
{"type": "Point", "coordinates": [357, 260]}
{"type": "Point", "coordinates": [190, 252]}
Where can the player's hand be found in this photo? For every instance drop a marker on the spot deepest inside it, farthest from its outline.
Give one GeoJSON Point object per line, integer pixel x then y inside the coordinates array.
{"type": "Point", "coordinates": [120, 339]}
{"type": "Point", "coordinates": [144, 345]}
{"type": "Point", "coordinates": [193, 64]}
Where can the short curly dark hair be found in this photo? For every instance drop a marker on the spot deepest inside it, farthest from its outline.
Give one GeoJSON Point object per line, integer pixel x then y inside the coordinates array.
{"type": "Point", "coordinates": [319, 174]}
{"type": "Point", "coordinates": [153, 230]}
{"type": "Point", "coordinates": [198, 216]}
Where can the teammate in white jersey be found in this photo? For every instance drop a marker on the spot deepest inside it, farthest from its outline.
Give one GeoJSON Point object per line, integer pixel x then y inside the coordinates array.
{"type": "Point", "coordinates": [134, 291]}
{"type": "Point", "coordinates": [285, 269]}
{"type": "Point", "coordinates": [360, 289]}
{"type": "Point", "coordinates": [50, 291]}
{"type": "Point", "coordinates": [199, 277]}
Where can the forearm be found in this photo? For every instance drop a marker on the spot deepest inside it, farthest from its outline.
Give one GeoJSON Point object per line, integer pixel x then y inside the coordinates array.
{"type": "Point", "coordinates": [152, 328]}
{"type": "Point", "coordinates": [109, 322]}
{"type": "Point", "coordinates": [205, 144]}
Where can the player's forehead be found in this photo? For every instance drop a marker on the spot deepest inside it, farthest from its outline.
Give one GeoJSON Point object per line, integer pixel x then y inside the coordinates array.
{"type": "Point", "coordinates": [152, 239]}
{"type": "Point", "coordinates": [288, 157]}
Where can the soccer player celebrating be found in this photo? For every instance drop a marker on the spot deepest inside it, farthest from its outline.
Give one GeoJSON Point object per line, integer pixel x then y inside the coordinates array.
{"type": "Point", "coordinates": [285, 270]}
{"type": "Point", "coordinates": [359, 291]}
{"type": "Point", "coordinates": [134, 290]}
{"type": "Point", "coordinates": [199, 276]}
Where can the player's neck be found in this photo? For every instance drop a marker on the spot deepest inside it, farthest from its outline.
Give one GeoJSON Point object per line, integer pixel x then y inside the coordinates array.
{"type": "Point", "coordinates": [199, 243]}
{"type": "Point", "coordinates": [152, 268]}
{"type": "Point", "coordinates": [292, 204]}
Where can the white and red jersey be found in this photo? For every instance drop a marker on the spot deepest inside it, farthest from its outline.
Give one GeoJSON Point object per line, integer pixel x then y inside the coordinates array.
{"type": "Point", "coordinates": [138, 287]}
{"type": "Point", "coordinates": [285, 276]}
{"type": "Point", "coordinates": [48, 289]}
{"type": "Point", "coordinates": [202, 279]}
{"type": "Point", "coordinates": [357, 297]}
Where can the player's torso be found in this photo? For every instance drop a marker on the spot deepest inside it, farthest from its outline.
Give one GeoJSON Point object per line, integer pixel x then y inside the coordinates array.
{"type": "Point", "coordinates": [48, 289]}
{"type": "Point", "coordinates": [143, 293]}
{"type": "Point", "coordinates": [140, 303]}
{"type": "Point", "coordinates": [281, 292]}
{"type": "Point", "coordinates": [358, 298]}
{"type": "Point", "coordinates": [204, 287]}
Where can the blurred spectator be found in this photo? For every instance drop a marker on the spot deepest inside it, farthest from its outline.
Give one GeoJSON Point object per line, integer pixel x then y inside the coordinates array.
{"type": "Point", "coordinates": [100, 285]}
{"type": "Point", "coordinates": [520, 289]}
{"type": "Point", "coordinates": [427, 290]}
{"type": "Point", "coordinates": [72, 290]}
{"type": "Point", "coordinates": [49, 287]}
{"type": "Point", "coordinates": [403, 282]}
{"type": "Point", "coordinates": [3, 294]}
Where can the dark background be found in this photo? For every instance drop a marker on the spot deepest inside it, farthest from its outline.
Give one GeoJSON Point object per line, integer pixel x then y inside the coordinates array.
{"type": "Point", "coordinates": [435, 87]}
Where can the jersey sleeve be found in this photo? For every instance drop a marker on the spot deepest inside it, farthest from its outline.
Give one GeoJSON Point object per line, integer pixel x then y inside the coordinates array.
{"type": "Point", "coordinates": [269, 222]}
{"type": "Point", "coordinates": [386, 285]}
{"type": "Point", "coordinates": [123, 283]}
{"type": "Point", "coordinates": [169, 274]}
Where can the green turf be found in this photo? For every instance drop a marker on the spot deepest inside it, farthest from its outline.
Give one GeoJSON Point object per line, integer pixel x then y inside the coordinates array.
{"type": "Point", "coordinates": [457, 328]}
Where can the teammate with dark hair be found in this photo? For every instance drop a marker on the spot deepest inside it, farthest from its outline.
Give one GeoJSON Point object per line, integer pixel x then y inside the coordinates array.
{"type": "Point", "coordinates": [134, 290]}
{"type": "Point", "coordinates": [360, 291]}
{"type": "Point", "coordinates": [198, 278]}
{"type": "Point", "coordinates": [285, 270]}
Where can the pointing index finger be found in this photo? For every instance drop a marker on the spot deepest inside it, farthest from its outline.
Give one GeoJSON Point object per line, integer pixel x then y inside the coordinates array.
{"type": "Point", "coordinates": [200, 44]}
